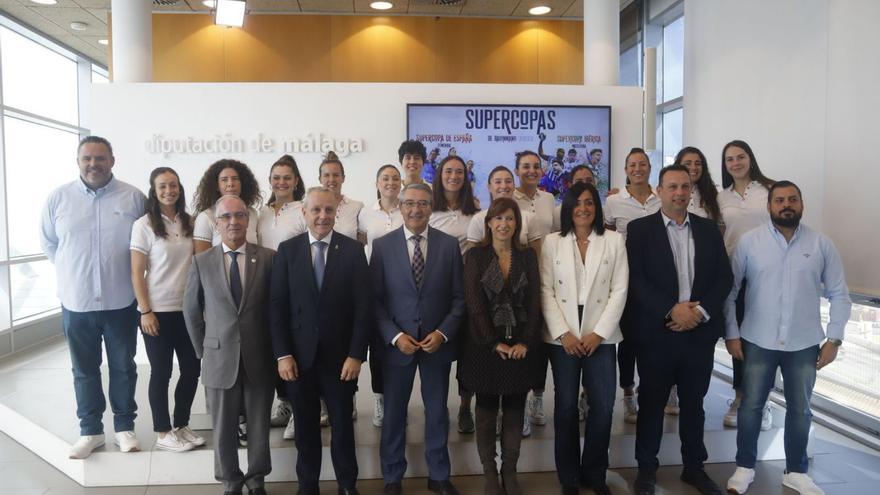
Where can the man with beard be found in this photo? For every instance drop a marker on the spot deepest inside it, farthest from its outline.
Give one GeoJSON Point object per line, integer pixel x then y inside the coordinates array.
{"type": "Point", "coordinates": [789, 267]}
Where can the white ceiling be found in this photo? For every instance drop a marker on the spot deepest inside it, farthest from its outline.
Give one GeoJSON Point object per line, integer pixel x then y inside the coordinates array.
{"type": "Point", "coordinates": [54, 20]}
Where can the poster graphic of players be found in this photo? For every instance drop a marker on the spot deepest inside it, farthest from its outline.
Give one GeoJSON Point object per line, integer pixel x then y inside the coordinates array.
{"type": "Point", "coordinates": [486, 136]}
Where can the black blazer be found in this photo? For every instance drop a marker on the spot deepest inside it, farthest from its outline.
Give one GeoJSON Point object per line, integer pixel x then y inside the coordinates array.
{"type": "Point", "coordinates": [339, 317]}
{"type": "Point", "coordinates": [653, 282]}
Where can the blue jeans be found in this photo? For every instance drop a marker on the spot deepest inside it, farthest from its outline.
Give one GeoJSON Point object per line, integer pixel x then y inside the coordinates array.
{"type": "Point", "coordinates": [84, 332]}
{"type": "Point", "coordinates": [597, 374]}
{"type": "Point", "coordinates": [759, 372]}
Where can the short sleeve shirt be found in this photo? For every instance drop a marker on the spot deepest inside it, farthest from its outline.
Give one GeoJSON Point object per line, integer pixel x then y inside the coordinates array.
{"type": "Point", "coordinates": [168, 261]}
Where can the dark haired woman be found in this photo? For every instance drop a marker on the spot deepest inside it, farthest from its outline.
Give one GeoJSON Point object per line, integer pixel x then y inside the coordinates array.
{"type": "Point", "coordinates": [331, 173]}
{"type": "Point", "coordinates": [281, 217]}
{"type": "Point", "coordinates": [499, 362]}
{"type": "Point", "coordinates": [584, 281]}
{"type": "Point", "coordinates": [743, 203]}
{"type": "Point", "coordinates": [224, 177]}
{"type": "Point", "coordinates": [501, 185]}
{"type": "Point", "coordinates": [704, 194]}
{"type": "Point", "coordinates": [161, 252]}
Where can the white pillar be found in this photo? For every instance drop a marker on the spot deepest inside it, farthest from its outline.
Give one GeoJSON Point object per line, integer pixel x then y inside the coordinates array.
{"type": "Point", "coordinates": [132, 40]}
{"type": "Point", "coordinates": [601, 42]}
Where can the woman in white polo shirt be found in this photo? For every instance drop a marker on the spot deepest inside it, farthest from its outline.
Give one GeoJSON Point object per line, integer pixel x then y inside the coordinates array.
{"type": "Point", "coordinates": [531, 199]}
{"type": "Point", "coordinates": [331, 174]}
{"type": "Point", "coordinates": [281, 218]}
{"type": "Point", "coordinates": [224, 177]}
{"type": "Point", "coordinates": [501, 185]}
{"type": "Point", "coordinates": [161, 253]}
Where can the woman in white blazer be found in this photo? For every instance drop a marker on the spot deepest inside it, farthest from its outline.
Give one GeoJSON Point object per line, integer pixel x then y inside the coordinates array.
{"type": "Point", "coordinates": [584, 280]}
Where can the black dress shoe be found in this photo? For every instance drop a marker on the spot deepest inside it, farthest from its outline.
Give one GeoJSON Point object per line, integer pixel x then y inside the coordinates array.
{"type": "Point", "coordinates": [260, 490]}
{"type": "Point", "coordinates": [600, 489]}
{"type": "Point", "coordinates": [698, 479]}
{"type": "Point", "coordinates": [232, 492]}
{"type": "Point", "coordinates": [348, 491]}
{"type": "Point", "coordinates": [570, 490]}
{"type": "Point", "coordinates": [392, 489]}
{"type": "Point", "coordinates": [645, 483]}
{"type": "Point", "coordinates": [444, 487]}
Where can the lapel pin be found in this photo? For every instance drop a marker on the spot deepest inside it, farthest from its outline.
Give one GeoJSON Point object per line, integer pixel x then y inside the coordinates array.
{"type": "Point", "coordinates": [253, 260]}
{"type": "Point", "coordinates": [336, 246]}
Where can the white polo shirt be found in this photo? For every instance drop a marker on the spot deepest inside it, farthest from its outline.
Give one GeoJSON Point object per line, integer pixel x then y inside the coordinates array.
{"type": "Point", "coordinates": [347, 212]}
{"type": "Point", "coordinates": [275, 228]}
{"type": "Point", "coordinates": [374, 222]}
{"type": "Point", "coordinates": [477, 228]}
{"type": "Point", "coordinates": [454, 223]}
{"type": "Point", "coordinates": [541, 207]}
{"type": "Point", "coordinates": [742, 213]}
{"type": "Point", "coordinates": [168, 261]}
{"type": "Point", "coordinates": [205, 228]}
{"type": "Point", "coordinates": [622, 208]}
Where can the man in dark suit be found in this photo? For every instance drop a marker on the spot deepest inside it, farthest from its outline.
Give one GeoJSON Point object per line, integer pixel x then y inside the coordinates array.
{"type": "Point", "coordinates": [320, 316]}
{"type": "Point", "coordinates": [226, 307]}
{"type": "Point", "coordinates": [679, 279]}
{"type": "Point", "coordinates": [419, 305]}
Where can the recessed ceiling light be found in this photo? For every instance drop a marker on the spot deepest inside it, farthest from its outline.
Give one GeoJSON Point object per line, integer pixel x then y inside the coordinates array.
{"type": "Point", "coordinates": [209, 3]}
{"type": "Point", "coordinates": [230, 13]}
{"type": "Point", "coordinates": [78, 26]}
{"type": "Point", "coordinates": [539, 10]}
{"type": "Point", "coordinates": [45, 2]}
{"type": "Point", "coordinates": [103, 41]}
{"type": "Point", "coordinates": [381, 5]}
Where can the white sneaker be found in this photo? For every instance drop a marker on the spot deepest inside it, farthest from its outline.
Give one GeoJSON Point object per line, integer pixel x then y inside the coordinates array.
{"type": "Point", "coordinates": [740, 481]}
{"type": "Point", "coordinates": [378, 410]}
{"type": "Point", "coordinates": [801, 483]}
{"type": "Point", "coordinates": [582, 407]}
{"type": "Point", "coordinates": [325, 416]}
{"type": "Point", "coordinates": [732, 411]}
{"type": "Point", "coordinates": [672, 402]}
{"type": "Point", "coordinates": [173, 443]}
{"type": "Point", "coordinates": [289, 430]}
{"type": "Point", "coordinates": [127, 441]}
{"type": "Point", "coordinates": [85, 445]}
{"type": "Point", "coordinates": [527, 426]}
{"type": "Point", "coordinates": [190, 436]}
{"type": "Point", "coordinates": [281, 413]}
{"type": "Point", "coordinates": [354, 408]}
{"type": "Point", "coordinates": [536, 410]}
{"type": "Point", "coordinates": [630, 409]}
{"type": "Point", "coordinates": [766, 418]}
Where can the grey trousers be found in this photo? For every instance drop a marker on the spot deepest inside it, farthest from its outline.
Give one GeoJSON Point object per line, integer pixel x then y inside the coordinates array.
{"type": "Point", "coordinates": [225, 407]}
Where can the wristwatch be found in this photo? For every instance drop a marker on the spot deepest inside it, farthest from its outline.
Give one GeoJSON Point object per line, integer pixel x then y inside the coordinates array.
{"type": "Point", "coordinates": [835, 342]}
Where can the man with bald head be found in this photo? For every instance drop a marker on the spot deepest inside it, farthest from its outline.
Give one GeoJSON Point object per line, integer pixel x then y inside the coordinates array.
{"type": "Point", "coordinates": [226, 308]}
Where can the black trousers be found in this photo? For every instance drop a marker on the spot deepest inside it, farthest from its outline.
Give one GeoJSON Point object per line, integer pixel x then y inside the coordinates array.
{"type": "Point", "coordinates": [678, 359]}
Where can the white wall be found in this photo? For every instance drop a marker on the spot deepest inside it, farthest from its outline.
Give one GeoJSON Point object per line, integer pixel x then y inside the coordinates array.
{"type": "Point", "coordinates": [129, 114]}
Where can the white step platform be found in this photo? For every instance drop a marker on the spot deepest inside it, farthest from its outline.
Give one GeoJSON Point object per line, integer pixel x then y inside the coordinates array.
{"type": "Point", "coordinates": [37, 409]}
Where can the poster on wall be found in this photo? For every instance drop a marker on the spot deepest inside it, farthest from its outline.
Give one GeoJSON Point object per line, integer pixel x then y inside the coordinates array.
{"type": "Point", "coordinates": [486, 136]}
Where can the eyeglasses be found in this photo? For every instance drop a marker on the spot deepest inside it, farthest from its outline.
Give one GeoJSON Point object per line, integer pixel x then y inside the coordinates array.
{"type": "Point", "coordinates": [412, 203]}
{"type": "Point", "coordinates": [228, 216]}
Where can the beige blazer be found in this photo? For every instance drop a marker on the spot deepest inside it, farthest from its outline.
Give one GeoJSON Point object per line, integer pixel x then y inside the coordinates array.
{"type": "Point", "coordinates": [607, 274]}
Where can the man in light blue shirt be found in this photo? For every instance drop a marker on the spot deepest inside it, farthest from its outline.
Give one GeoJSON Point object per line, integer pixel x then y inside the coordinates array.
{"type": "Point", "coordinates": [789, 268]}
{"type": "Point", "coordinates": [85, 231]}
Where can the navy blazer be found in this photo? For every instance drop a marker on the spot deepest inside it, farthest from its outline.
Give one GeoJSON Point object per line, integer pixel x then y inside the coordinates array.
{"type": "Point", "coordinates": [653, 281]}
{"type": "Point", "coordinates": [338, 316]}
{"type": "Point", "coordinates": [401, 307]}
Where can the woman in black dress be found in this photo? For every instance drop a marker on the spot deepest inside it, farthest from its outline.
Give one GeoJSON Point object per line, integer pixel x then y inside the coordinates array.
{"type": "Point", "coordinates": [499, 364]}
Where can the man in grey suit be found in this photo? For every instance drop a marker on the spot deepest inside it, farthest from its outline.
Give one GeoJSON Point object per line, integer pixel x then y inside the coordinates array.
{"type": "Point", "coordinates": [226, 308]}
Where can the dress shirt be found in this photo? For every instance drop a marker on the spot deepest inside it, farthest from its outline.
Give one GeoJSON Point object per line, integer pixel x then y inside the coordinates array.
{"type": "Point", "coordinates": [742, 213]}
{"type": "Point", "coordinates": [205, 227]}
{"type": "Point", "coordinates": [622, 208]}
{"type": "Point", "coordinates": [374, 222]}
{"type": "Point", "coordinates": [347, 212]}
{"type": "Point", "coordinates": [314, 250]}
{"type": "Point", "coordinates": [86, 234]}
{"type": "Point", "coordinates": [242, 261]}
{"type": "Point", "coordinates": [168, 261]}
{"type": "Point", "coordinates": [541, 207]}
{"type": "Point", "coordinates": [411, 248]}
{"type": "Point", "coordinates": [477, 228]}
{"type": "Point", "coordinates": [275, 228]}
{"type": "Point", "coordinates": [454, 223]}
{"type": "Point", "coordinates": [786, 281]}
{"type": "Point", "coordinates": [681, 241]}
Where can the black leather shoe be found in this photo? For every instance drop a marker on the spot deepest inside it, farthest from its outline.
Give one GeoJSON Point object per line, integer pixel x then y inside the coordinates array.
{"type": "Point", "coordinates": [258, 491]}
{"type": "Point", "coordinates": [232, 492]}
{"type": "Point", "coordinates": [348, 491]}
{"type": "Point", "coordinates": [600, 489]}
{"type": "Point", "coordinates": [645, 483]}
{"type": "Point", "coordinates": [570, 490]}
{"type": "Point", "coordinates": [698, 479]}
{"type": "Point", "coordinates": [392, 489]}
{"type": "Point", "coordinates": [442, 487]}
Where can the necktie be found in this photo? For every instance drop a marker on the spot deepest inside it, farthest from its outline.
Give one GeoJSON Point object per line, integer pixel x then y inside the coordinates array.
{"type": "Point", "coordinates": [418, 260]}
{"type": "Point", "coordinates": [318, 262]}
{"type": "Point", "coordinates": [235, 279]}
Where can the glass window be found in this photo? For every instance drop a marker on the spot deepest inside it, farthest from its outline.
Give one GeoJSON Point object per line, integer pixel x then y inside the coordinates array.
{"type": "Point", "coordinates": [38, 159]}
{"type": "Point", "coordinates": [671, 135]}
{"type": "Point", "coordinates": [631, 65]}
{"type": "Point", "coordinates": [673, 60]}
{"type": "Point", "coordinates": [98, 78]}
{"type": "Point", "coordinates": [33, 289]}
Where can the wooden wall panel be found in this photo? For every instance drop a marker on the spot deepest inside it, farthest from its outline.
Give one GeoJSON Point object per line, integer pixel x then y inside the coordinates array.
{"type": "Point", "coordinates": [367, 49]}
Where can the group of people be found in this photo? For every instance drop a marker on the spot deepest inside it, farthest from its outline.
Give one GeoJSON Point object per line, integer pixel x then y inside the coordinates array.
{"type": "Point", "coordinates": [289, 298]}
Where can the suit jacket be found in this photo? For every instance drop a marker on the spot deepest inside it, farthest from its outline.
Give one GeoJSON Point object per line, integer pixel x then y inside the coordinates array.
{"type": "Point", "coordinates": [339, 315]}
{"type": "Point", "coordinates": [607, 274]}
{"type": "Point", "coordinates": [223, 336]}
{"type": "Point", "coordinates": [401, 307]}
{"type": "Point", "coordinates": [653, 280]}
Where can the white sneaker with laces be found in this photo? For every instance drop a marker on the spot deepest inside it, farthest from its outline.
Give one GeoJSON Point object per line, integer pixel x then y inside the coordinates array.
{"type": "Point", "coordinates": [732, 411]}
{"type": "Point", "coordinates": [190, 436]}
{"type": "Point", "coordinates": [281, 413]}
{"type": "Point", "coordinates": [582, 407]}
{"type": "Point", "coordinates": [536, 410]}
{"type": "Point", "coordinates": [127, 441]}
{"type": "Point", "coordinates": [740, 481]}
{"type": "Point", "coordinates": [289, 430]}
{"type": "Point", "coordinates": [801, 483]}
{"type": "Point", "coordinates": [173, 443]}
{"type": "Point", "coordinates": [527, 426]}
{"type": "Point", "coordinates": [766, 418]}
{"type": "Point", "coordinates": [630, 409]}
{"type": "Point", "coordinates": [378, 410]}
{"type": "Point", "coordinates": [672, 402]}
{"type": "Point", "coordinates": [325, 416]}
{"type": "Point", "coordinates": [85, 445]}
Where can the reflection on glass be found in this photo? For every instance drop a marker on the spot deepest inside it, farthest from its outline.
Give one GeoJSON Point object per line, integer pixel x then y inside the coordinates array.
{"type": "Point", "coordinates": [671, 135]}
{"type": "Point", "coordinates": [630, 66]}
{"type": "Point", "coordinates": [673, 60]}
{"type": "Point", "coordinates": [33, 289]}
